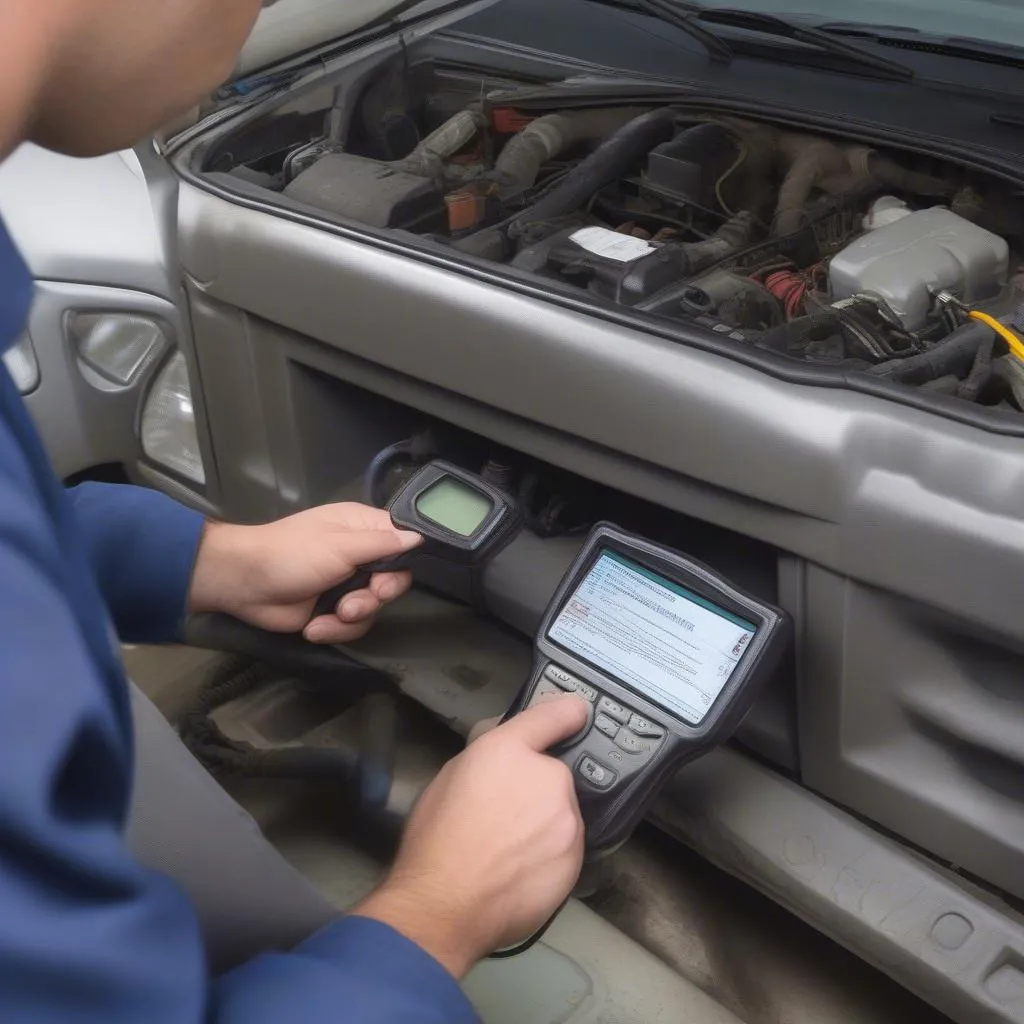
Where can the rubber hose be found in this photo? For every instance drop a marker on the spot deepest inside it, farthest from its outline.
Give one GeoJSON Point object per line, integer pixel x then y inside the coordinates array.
{"type": "Point", "coordinates": [373, 480]}
{"type": "Point", "coordinates": [429, 158]}
{"type": "Point", "coordinates": [978, 376]}
{"type": "Point", "coordinates": [796, 336]}
{"type": "Point", "coordinates": [491, 243]}
{"type": "Point", "coordinates": [890, 173]}
{"type": "Point", "coordinates": [609, 162]}
{"type": "Point", "coordinates": [813, 160]}
{"type": "Point", "coordinates": [547, 137]}
{"type": "Point", "coordinates": [839, 170]}
{"type": "Point", "coordinates": [954, 355]}
{"type": "Point", "coordinates": [732, 236]}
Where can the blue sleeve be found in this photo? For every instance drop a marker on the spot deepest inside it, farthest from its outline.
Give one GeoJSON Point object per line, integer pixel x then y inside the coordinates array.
{"type": "Point", "coordinates": [86, 933]}
{"type": "Point", "coordinates": [142, 546]}
{"type": "Point", "coordinates": [356, 970]}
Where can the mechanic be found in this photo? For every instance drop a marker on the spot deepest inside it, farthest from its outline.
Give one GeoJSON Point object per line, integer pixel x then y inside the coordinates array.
{"type": "Point", "coordinates": [86, 933]}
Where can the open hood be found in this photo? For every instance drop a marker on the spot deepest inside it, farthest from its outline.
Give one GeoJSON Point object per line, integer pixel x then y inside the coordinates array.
{"type": "Point", "coordinates": [289, 27]}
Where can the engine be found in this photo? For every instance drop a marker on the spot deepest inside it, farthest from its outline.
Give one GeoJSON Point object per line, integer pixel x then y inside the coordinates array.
{"type": "Point", "coordinates": [816, 249]}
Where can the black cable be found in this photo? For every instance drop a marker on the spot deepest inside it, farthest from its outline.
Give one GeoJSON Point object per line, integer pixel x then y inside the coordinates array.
{"type": "Point", "coordinates": [416, 450]}
{"type": "Point", "coordinates": [378, 467]}
{"type": "Point", "coordinates": [218, 752]}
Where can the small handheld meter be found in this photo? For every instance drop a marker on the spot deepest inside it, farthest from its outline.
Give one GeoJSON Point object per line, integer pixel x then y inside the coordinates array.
{"type": "Point", "coordinates": [461, 517]}
{"type": "Point", "coordinates": [668, 654]}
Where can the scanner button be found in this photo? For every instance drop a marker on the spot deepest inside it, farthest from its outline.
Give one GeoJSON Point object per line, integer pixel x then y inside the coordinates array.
{"type": "Point", "coordinates": [596, 774]}
{"type": "Point", "coordinates": [645, 727]}
{"type": "Point", "coordinates": [585, 691]}
{"type": "Point", "coordinates": [613, 709]}
{"type": "Point", "coordinates": [631, 743]}
{"type": "Point", "coordinates": [569, 682]}
{"type": "Point", "coordinates": [545, 691]}
{"type": "Point", "coordinates": [561, 678]}
{"type": "Point", "coordinates": [606, 725]}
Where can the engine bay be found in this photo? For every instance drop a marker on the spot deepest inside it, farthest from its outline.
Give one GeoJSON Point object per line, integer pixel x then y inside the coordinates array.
{"type": "Point", "coordinates": [820, 250]}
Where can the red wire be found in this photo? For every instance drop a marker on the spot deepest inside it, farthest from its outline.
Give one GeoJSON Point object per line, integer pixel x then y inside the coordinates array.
{"type": "Point", "coordinates": [790, 288]}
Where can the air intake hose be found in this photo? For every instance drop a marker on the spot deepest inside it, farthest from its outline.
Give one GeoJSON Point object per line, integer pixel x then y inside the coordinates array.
{"type": "Point", "coordinates": [609, 162]}
{"type": "Point", "coordinates": [548, 137]}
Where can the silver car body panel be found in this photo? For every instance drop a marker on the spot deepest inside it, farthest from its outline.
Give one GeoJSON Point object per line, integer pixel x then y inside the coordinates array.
{"type": "Point", "coordinates": [87, 232]}
{"type": "Point", "coordinates": [859, 493]}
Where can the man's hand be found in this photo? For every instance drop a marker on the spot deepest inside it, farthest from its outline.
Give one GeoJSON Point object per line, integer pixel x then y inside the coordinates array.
{"type": "Point", "coordinates": [271, 576]}
{"type": "Point", "coordinates": [493, 846]}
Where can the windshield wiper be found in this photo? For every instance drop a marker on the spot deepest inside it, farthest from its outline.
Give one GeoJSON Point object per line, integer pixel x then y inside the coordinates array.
{"type": "Point", "coordinates": [773, 25]}
{"type": "Point", "coordinates": [914, 39]}
{"type": "Point", "coordinates": [689, 17]}
{"type": "Point", "coordinates": [672, 14]}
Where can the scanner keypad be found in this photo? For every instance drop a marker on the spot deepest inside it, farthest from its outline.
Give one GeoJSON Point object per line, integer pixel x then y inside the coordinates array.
{"type": "Point", "coordinates": [596, 774]}
{"type": "Point", "coordinates": [613, 709]}
{"type": "Point", "coordinates": [641, 726]}
{"type": "Point", "coordinates": [633, 744]}
{"type": "Point", "coordinates": [613, 728]}
{"type": "Point", "coordinates": [570, 683]}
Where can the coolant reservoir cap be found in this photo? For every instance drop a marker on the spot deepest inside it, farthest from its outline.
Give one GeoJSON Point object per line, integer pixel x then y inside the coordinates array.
{"type": "Point", "coordinates": [885, 210]}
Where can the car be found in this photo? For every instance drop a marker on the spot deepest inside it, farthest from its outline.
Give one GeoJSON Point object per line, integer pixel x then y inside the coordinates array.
{"type": "Point", "coordinates": [746, 281]}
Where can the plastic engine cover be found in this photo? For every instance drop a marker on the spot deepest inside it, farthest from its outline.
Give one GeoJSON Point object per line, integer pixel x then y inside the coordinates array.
{"type": "Point", "coordinates": [907, 262]}
{"type": "Point", "coordinates": [368, 191]}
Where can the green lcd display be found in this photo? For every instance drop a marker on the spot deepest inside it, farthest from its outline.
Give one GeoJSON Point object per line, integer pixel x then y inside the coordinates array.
{"type": "Point", "coordinates": [455, 506]}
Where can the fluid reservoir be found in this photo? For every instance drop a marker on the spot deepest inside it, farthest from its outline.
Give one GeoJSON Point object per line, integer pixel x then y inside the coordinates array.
{"type": "Point", "coordinates": [885, 210]}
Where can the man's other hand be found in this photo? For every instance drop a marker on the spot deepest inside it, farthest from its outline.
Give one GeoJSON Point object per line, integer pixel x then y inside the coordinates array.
{"type": "Point", "coordinates": [493, 846]}
{"type": "Point", "coordinates": [271, 576]}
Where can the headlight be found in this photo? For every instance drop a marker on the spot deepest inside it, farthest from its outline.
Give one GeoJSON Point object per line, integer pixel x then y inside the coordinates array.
{"type": "Point", "coordinates": [169, 423]}
{"type": "Point", "coordinates": [117, 345]}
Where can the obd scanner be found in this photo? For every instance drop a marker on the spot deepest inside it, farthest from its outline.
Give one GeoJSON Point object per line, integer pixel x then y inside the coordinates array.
{"type": "Point", "coordinates": [461, 518]}
{"type": "Point", "coordinates": [668, 654]}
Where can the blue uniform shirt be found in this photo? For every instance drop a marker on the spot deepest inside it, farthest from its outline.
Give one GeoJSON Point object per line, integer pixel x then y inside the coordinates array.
{"type": "Point", "coordinates": [87, 934]}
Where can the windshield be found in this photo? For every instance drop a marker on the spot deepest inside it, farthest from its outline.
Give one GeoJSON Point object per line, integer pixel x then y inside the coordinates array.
{"type": "Point", "coordinates": [996, 21]}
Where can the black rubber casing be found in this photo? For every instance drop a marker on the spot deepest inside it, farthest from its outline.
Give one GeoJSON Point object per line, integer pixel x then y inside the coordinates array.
{"type": "Point", "coordinates": [498, 529]}
{"type": "Point", "coordinates": [611, 814]}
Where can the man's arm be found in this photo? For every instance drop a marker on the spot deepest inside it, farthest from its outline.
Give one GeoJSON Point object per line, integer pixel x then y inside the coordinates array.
{"type": "Point", "coordinates": [142, 546]}
{"type": "Point", "coordinates": [155, 560]}
{"type": "Point", "coordinates": [85, 932]}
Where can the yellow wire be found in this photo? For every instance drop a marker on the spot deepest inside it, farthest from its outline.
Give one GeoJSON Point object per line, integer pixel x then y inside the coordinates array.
{"type": "Point", "coordinates": [1004, 332]}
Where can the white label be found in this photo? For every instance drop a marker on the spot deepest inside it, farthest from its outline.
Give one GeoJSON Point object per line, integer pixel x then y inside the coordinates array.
{"type": "Point", "coordinates": [611, 244]}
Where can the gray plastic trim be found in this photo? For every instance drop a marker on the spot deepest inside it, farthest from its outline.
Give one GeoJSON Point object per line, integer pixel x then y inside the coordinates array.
{"type": "Point", "coordinates": [587, 972]}
{"type": "Point", "coordinates": [851, 721]}
{"type": "Point", "coordinates": [949, 945]}
{"type": "Point", "coordinates": [22, 365]}
{"type": "Point", "coordinates": [85, 420]}
{"type": "Point", "coordinates": [825, 474]}
{"type": "Point", "coordinates": [953, 945]}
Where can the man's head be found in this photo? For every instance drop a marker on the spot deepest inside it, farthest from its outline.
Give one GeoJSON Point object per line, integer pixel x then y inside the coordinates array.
{"type": "Point", "coordinates": [90, 76]}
